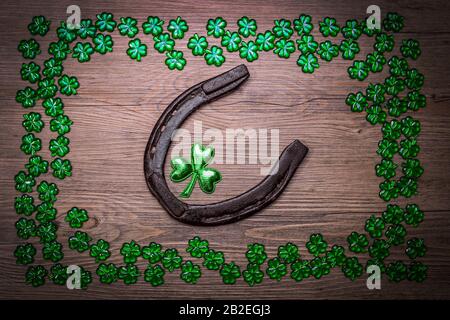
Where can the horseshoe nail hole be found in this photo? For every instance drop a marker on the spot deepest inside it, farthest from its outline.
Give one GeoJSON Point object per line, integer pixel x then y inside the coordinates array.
{"type": "Point", "coordinates": [162, 129]}
{"type": "Point", "coordinates": [174, 112]}
{"type": "Point", "coordinates": [153, 150]}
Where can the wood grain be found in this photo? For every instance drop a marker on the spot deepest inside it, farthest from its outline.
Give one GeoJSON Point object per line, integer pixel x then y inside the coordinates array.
{"type": "Point", "coordinates": [333, 192]}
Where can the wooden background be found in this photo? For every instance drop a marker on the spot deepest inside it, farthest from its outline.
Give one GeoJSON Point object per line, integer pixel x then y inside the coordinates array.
{"type": "Point", "coordinates": [333, 192]}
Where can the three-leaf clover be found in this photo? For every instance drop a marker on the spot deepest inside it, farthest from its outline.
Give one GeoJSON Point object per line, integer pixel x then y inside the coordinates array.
{"type": "Point", "coordinates": [79, 241]}
{"type": "Point", "coordinates": [336, 256]}
{"type": "Point", "coordinates": [103, 43]}
{"type": "Point", "coordinates": [248, 51]}
{"type": "Point", "coordinates": [415, 248]}
{"type": "Point", "coordinates": [213, 260]}
{"type": "Point", "coordinates": [68, 85]}
{"type": "Point", "coordinates": [39, 26]}
{"type": "Point", "coordinates": [300, 270]}
{"type": "Point", "coordinates": [284, 48]}
{"type": "Point", "coordinates": [108, 273]}
{"type": "Point", "coordinates": [197, 169]}
{"type": "Point", "coordinates": [152, 252]}
{"type": "Point", "coordinates": [327, 50]}
{"type": "Point", "coordinates": [105, 22]}
{"type": "Point", "coordinates": [76, 217]}
{"type": "Point", "coordinates": [352, 29]}
{"type": "Point", "coordinates": [375, 93]}
{"type": "Point", "coordinates": [58, 274]}
{"type": "Point", "coordinates": [36, 275]}
{"type": "Point", "coordinates": [379, 249]}
{"type": "Point", "coordinates": [386, 169]}
{"type": "Point", "coordinates": [154, 275]}
{"type": "Point", "coordinates": [47, 191]}
{"type": "Point", "coordinates": [136, 49]}
{"type": "Point", "coordinates": [46, 212]}
{"type": "Point", "coordinates": [329, 27]}
{"type": "Point", "coordinates": [413, 215]}
{"type": "Point", "coordinates": [307, 44]}
{"type": "Point", "coordinates": [129, 274]}
{"type": "Point", "coordinates": [308, 62]}
{"type": "Point", "coordinates": [376, 61]}
{"type": "Point", "coordinates": [214, 56]}
{"type": "Point", "coordinates": [59, 146]}
{"type": "Point", "coordinates": [393, 214]}
{"type": "Point", "coordinates": [190, 272]}
{"type": "Point", "coordinates": [24, 205]}
{"type": "Point", "coordinates": [396, 234]}
{"type": "Point", "coordinates": [47, 88]}
{"type": "Point", "coordinates": [265, 41]}
{"type": "Point", "coordinates": [407, 186]}
{"type": "Point", "coordinates": [388, 190]}
{"type": "Point", "coordinates": [352, 269]}
{"type": "Point", "coordinates": [247, 27]}
{"type": "Point", "coordinates": [393, 22]}
{"type": "Point", "coordinates": [374, 226]}
{"type": "Point", "coordinates": [100, 250]}
{"type": "Point", "coordinates": [316, 244]}
{"type": "Point", "coordinates": [130, 252]}
{"type": "Point", "coordinates": [409, 148]}
{"type": "Point", "coordinates": [319, 267]}
{"type": "Point", "coordinates": [230, 272]}
{"type": "Point", "coordinates": [30, 72]}
{"type": "Point", "coordinates": [357, 242]}
{"type": "Point", "coordinates": [256, 253]}
{"type": "Point", "coordinates": [197, 44]}
{"type": "Point", "coordinates": [128, 27]}
{"type": "Point", "coordinates": [384, 42]}
{"type": "Point", "coordinates": [197, 247]}
{"type": "Point", "coordinates": [359, 70]}
{"type": "Point", "coordinates": [87, 29]}
{"type": "Point", "coordinates": [414, 100]}
{"type": "Point", "coordinates": [398, 66]}
{"type": "Point", "coordinates": [231, 41]}
{"type": "Point", "coordinates": [175, 60]}
{"type": "Point", "coordinates": [253, 274]}
{"type": "Point", "coordinates": [303, 24]}
{"type": "Point", "coordinates": [25, 253]}
{"type": "Point", "coordinates": [171, 260]}
{"type": "Point", "coordinates": [25, 228]}
{"type": "Point", "coordinates": [61, 124]}
{"type": "Point", "coordinates": [414, 79]}
{"type": "Point", "coordinates": [276, 269]}
{"type": "Point", "coordinates": [282, 29]}
{"type": "Point", "coordinates": [52, 68]}
{"type": "Point", "coordinates": [29, 48]}
{"type": "Point", "coordinates": [26, 97]}
{"type": "Point", "coordinates": [349, 49]}
{"type": "Point", "coordinates": [357, 102]}
{"type": "Point", "coordinates": [32, 122]}
{"type": "Point", "coordinates": [177, 27]}
{"type": "Point", "coordinates": [288, 253]}
{"type": "Point", "coordinates": [47, 231]}
{"type": "Point", "coordinates": [24, 182]}
{"type": "Point", "coordinates": [163, 43]}
{"type": "Point", "coordinates": [30, 144]}
{"type": "Point", "coordinates": [392, 130]}
{"type": "Point", "coordinates": [387, 148]}
{"type": "Point", "coordinates": [66, 32]}
{"type": "Point", "coordinates": [61, 168]}
{"type": "Point", "coordinates": [53, 107]}
{"type": "Point", "coordinates": [82, 51]}
{"type": "Point", "coordinates": [417, 271]}
{"type": "Point", "coordinates": [410, 49]}
{"type": "Point", "coordinates": [216, 27]}
{"type": "Point", "coordinates": [59, 50]}
{"type": "Point", "coordinates": [52, 251]}
{"type": "Point", "coordinates": [153, 26]}
{"type": "Point", "coordinates": [411, 168]}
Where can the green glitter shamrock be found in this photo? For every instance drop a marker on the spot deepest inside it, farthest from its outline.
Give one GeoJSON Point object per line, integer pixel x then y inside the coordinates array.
{"type": "Point", "coordinates": [379, 249]}
{"type": "Point", "coordinates": [175, 60]}
{"type": "Point", "coordinates": [53, 68]}
{"type": "Point", "coordinates": [376, 61]}
{"type": "Point", "coordinates": [197, 247]}
{"type": "Point", "coordinates": [24, 205]}
{"type": "Point", "coordinates": [177, 27]}
{"type": "Point", "coordinates": [100, 250]}
{"type": "Point", "coordinates": [103, 43]}
{"type": "Point", "coordinates": [284, 48]}
{"type": "Point", "coordinates": [413, 216]}
{"type": "Point", "coordinates": [336, 256]}
{"type": "Point", "coordinates": [417, 272]}
{"type": "Point", "coordinates": [319, 267]}
{"type": "Point", "coordinates": [171, 260]}
{"type": "Point", "coordinates": [327, 50]}
{"type": "Point", "coordinates": [47, 88]}
{"type": "Point", "coordinates": [47, 231]}
{"type": "Point", "coordinates": [190, 272]}
{"type": "Point", "coordinates": [357, 242]}
{"type": "Point", "coordinates": [357, 102]}
{"type": "Point", "coordinates": [247, 27]}
{"type": "Point", "coordinates": [59, 146]}
{"type": "Point", "coordinates": [197, 169]}
{"type": "Point", "coordinates": [39, 25]}
{"type": "Point", "coordinates": [26, 228]}
{"type": "Point", "coordinates": [410, 49]}
{"type": "Point", "coordinates": [256, 253]}
{"type": "Point", "coordinates": [153, 26]}
{"type": "Point", "coordinates": [163, 43]}
{"type": "Point", "coordinates": [66, 33]}
{"type": "Point", "coordinates": [30, 72]}
{"type": "Point", "coordinates": [128, 27]}
{"type": "Point", "coordinates": [61, 168]}
{"type": "Point", "coordinates": [46, 212]}
{"type": "Point", "coordinates": [154, 275]}
{"type": "Point", "coordinates": [410, 127]}
{"type": "Point", "coordinates": [130, 251]}
{"type": "Point", "coordinates": [253, 274]}
{"type": "Point", "coordinates": [308, 62]}
{"type": "Point", "coordinates": [396, 234]}
{"type": "Point", "coordinates": [393, 214]}
{"type": "Point", "coordinates": [231, 41]}
{"type": "Point", "coordinates": [129, 274]}
{"type": "Point", "coordinates": [230, 272]}
{"type": "Point", "coordinates": [349, 49]}
{"type": "Point", "coordinates": [300, 270]}
{"type": "Point", "coordinates": [60, 124]}
{"type": "Point", "coordinates": [359, 70]}
{"type": "Point", "coordinates": [352, 269]}
{"type": "Point", "coordinates": [30, 144]}
{"type": "Point", "coordinates": [415, 248]}
{"type": "Point", "coordinates": [136, 49]}
{"type": "Point", "coordinates": [316, 244]}
{"type": "Point", "coordinates": [398, 66]}
{"type": "Point", "coordinates": [68, 85]}
{"type": "Point", "coordinates": [152, 252]}
{"type": "Point", "coordinates": [387, 148]}
{"type": "Point", "coordinates": [388, 190]}
{"type": "Point", "coordinates": [79, 241]}
{"type": "Point", "coordinates": [108, 273]}
{"type": "Point", "coordinates": [248, 51]}
{"type": "Point", "coordinates": [386, 169]}
{"type": "Point", "coordinates": [76, 217]}
{"type": "Point", "coordinates": [384, 42]}
{"type": "Point", "coordinates": [282, 29]}
{"type": "Point", "coordinates": [24, 182]}
{"type": "Point", "coordinates": [392, 130]}
{"type": "Point", "coordinates": [307, 44]}
{"type": "Point", "coordinates": [47, 191]}
{"type": "Point", "coordinates": [394, 85]}
{"type": "Point", "coordinates": [396, 271]}
{"type": "Point", "coordinates": [32, 122]}
{"type": "Point", "coordinates": [29, 48]}
{"type": "Point", "coordinates": [409, 148]}
{"type": "Point", "coordinates": [288, 253]}
{"type": "Point", "coordinates": [59, 50]}
{"type": "Point", "coordinates": [87, 29]}
{"type": "Point", "coordinates": [375, 93]}
{"type": "Point", "coordinates": [329, 27]}
{"type": "Point", "coordinates": [303, 24]}
{"type": "Point", "coordinates": [213, 260]}
{"type": "Point", "coordinates": [216, 27]}
{"type": "Point", "coordinates": [25, 253]}
{"type": "Point", "coordinates": [82, 51]}
{"type": "Point", "coordinates": [214, 56]}
{"type": "Point", "coordinates": [58, 274]}
{"type": "Point", "coordinates": [105, 22]}
{"type": "Point", "coordinates": [407, 187]}
{"type": "Point", "coordinates": [26, 97]}
{"type": "Point", "coordinates": [52, 251]}
{"type": "Point", "coordinates": [414, 100]}
{"type": "Point", "coordinates": [36, 275]}
{"type": "Point", "coordinates": [197, 44]}
{"type": "Point", "coordinates": [414, 79]}
{"type": "Point", "coordinates": [276, 269]}
{"type": "Point", "coordinates": [393, 22]}
{"type": "Point", "coordinates": [411, 168]}
{"type": "Point", "coordinates": [374, 226]}
{"type": "Point", "coordinates": [352, 29]}
{"type": "Point", "coordinates": [396, 107]}
{"type": "Point", "coordinates": [53, 107]}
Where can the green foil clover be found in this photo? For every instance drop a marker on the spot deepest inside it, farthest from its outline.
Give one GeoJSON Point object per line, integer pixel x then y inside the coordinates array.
{"type": "Point", "coordinates": [316, 244]}
{"type": "Point", "coordinates": [136, 49]}
{"type": "Point", "coordinates": [319, 267]}
{"type": "Point", "coordinates": [154, 275]}
{"type": "Point", "coordinates": [47, 88]}
{"type": "Point", "coordinates": [357, 242]}
{"type": "Point", "coordinates": [300, 270]}
{"type": "Point", "coordinates": [47, 231]}
{"type": "Point", "coordinates": [384, 42]}
{"type": "Point", "coordinates": [197, 169]}
{"type": "Point", "coordinates": [307, 44]}
{"type": "Point", "coordinates": [66, 33]}
{"type": "Point", "coordinates": [177, 27]}
{"type": "Point", "coordinates": [52, 251]}
{"type": "Point", "coordinates": [175, 60]}
{"type": "Point", "coordinates": [36, 275]}
{"type": "Point", "coordinates": [107, 273]}
{"type": "Point", "coordinates": [410, 48]}
{"type": "Point", "coordinates": [59, 146]}
{"type": "Point", "coordinates": [308, 62]}
{"type": "Point", "coordinates": [392, 130]}
{"type": "Point", "coordinates": [52, 68]}
{"type": "Point", "coordinates": [398, 66]}
{"type": "Point", "coordinates": [414, 79]}
{"type": "Point", "coordinates": [59, 50]}
{"type": "Point", "coordinates": [396, 271]}
{"type": "Point", "coordinates": [376, 61]}
{"type": "Point", "coordinates": [375, 226]}
{"type": "Point", "coordinates": [407, 187]}
{"type": "Point", "coordinates": [82, 51]}
{"type": "Point", "coordinates": [197, 44]}
{"type": "Point", "coordinates": [396, 107]}
{"type": "Point", "coordinates": [26, 97]}
{"type": "Point", "coordinates": [415, 248]}
{"type": "Point", "coordinates": [30, 72]}
{"type": "Point", "coordinates": [163, 43]}
{"type": "Point", "coordinates": [79, 241]}
{"type": "Point", "coordinates": [288, 253]}
{"type": "Point", "coordinates": [253, 274]}
{"type": "Point", "coordinates": [276, 269]}
{"type": "Point", "coordinates": [352, 29]}
{"type": "Point", "coordinates": [410, 127]}
{"type": "Point", "coordinates": [53, 107]}
{"type": "Point", "coordinates": [129, 274]}
{"type": "Point", "coordinates": [249, 51]}
{"type": "Point", "coordinates": [153, 26]}
{"type": "Point", "coordinates": [230, 272]}
{"type": "Point", "coordinates": [256, 253]}
{"type": "Point", "coordinates": [30, 144]}
{"type": "Point", "coordinates": [417, 272]}
{"type": "Point", "coordinates": [409, 148]}
{"type": "Point", "coordinates": [152, 252]}
{"type": "Point", "coordinates": [105, 22]}
{"type": "Point", "coordinates": [24, 204]}
{"type": "Point", "coordinates": [46, 212]}
{"type": "Point", "coordinates": [282, 29]}
{"type": "Point", "coordinates": [103, 43]}
{"type": "Point", "coordinates": [328, 27]}
{"type": "Point", "coordinates": [336, 256]}
{"type": "Point", "coordinates": [349, 49]}
{"type": "Point", "coordinates": [76, 217]}
{"type": "Point", "coordinates": [303, 24]}
{"type": "Point", "coordinates": [131, 252]}
{"type": "Point", "coordinates": [393, 214]}
{"type": "Point", "coordinates": [29, 48]}
{"type": "Point", "coordinates": [386, 169]}
{"type": "Point", "coordinates": [197, 247]}
{"type": "Point", "coordinates": [359, 70]}
{"type": "Point", "coordinates": [128, 27]}
{"type": "Point", "coordinates": [393, 22]}
{"type": "Point", "coordinates": [396, 234]}
{"type": "Point", "coordinates": [190, 272]}
{"type": "Point", "coordinates": [58, 274]}
{"type": "Point", "coordinates": [25, 253]}
{"type": "Point", "coordinates": [171, 260]}
{"type": "Point", "coordinates": [87, 29]}
{"type": "Point", "coordinates": [375, 93]}
{"type": "Point", "coordinates": [32, 122]}
{"type": "Point", "coordinates": [214, 56]}
{"type": "Point", "coordinates": [61, 124]}
{"type": "Point", "coordinates": [352, 268]}
{"type": "Point", "coordinates": [265, 41]}
{"type": "Point", "coordinates": [216, 27]}
{"type": "Point", "coordinates": [39, 26]}
{"type": "Point", "coordinates": [411, 168]}
{"type": "Point", "coordinates": [24, 182]}
{"type": "Point", "coordinates": [61, 168]}
{"type": "Point", "coordinates": [68, 85]}
{"type": "Point", "coordinates": [231, 41]}
{"type": "Point", "coordinates": [413, 215]}
{"type": "Point", "coordinates": [414, 100]}
{"type": "Point", "coordinates": [327, 50]}
{"type": "Point", "coordinates": [379, 249]}
{"type": "Point", "coordinates": [213, 260]}
{"type": "Point", "coordinates": [25, 228]}
{"type": "Point", "coordinates": [388, 190]}
{"type": "Point", "coordinates": [284, 48]}
{"type": "Point", "coordinates": [100, 250]}
{"type": "Point", "coordinates": [356, 101]}
{"type": "Point", "coordinates": [247, 27]}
